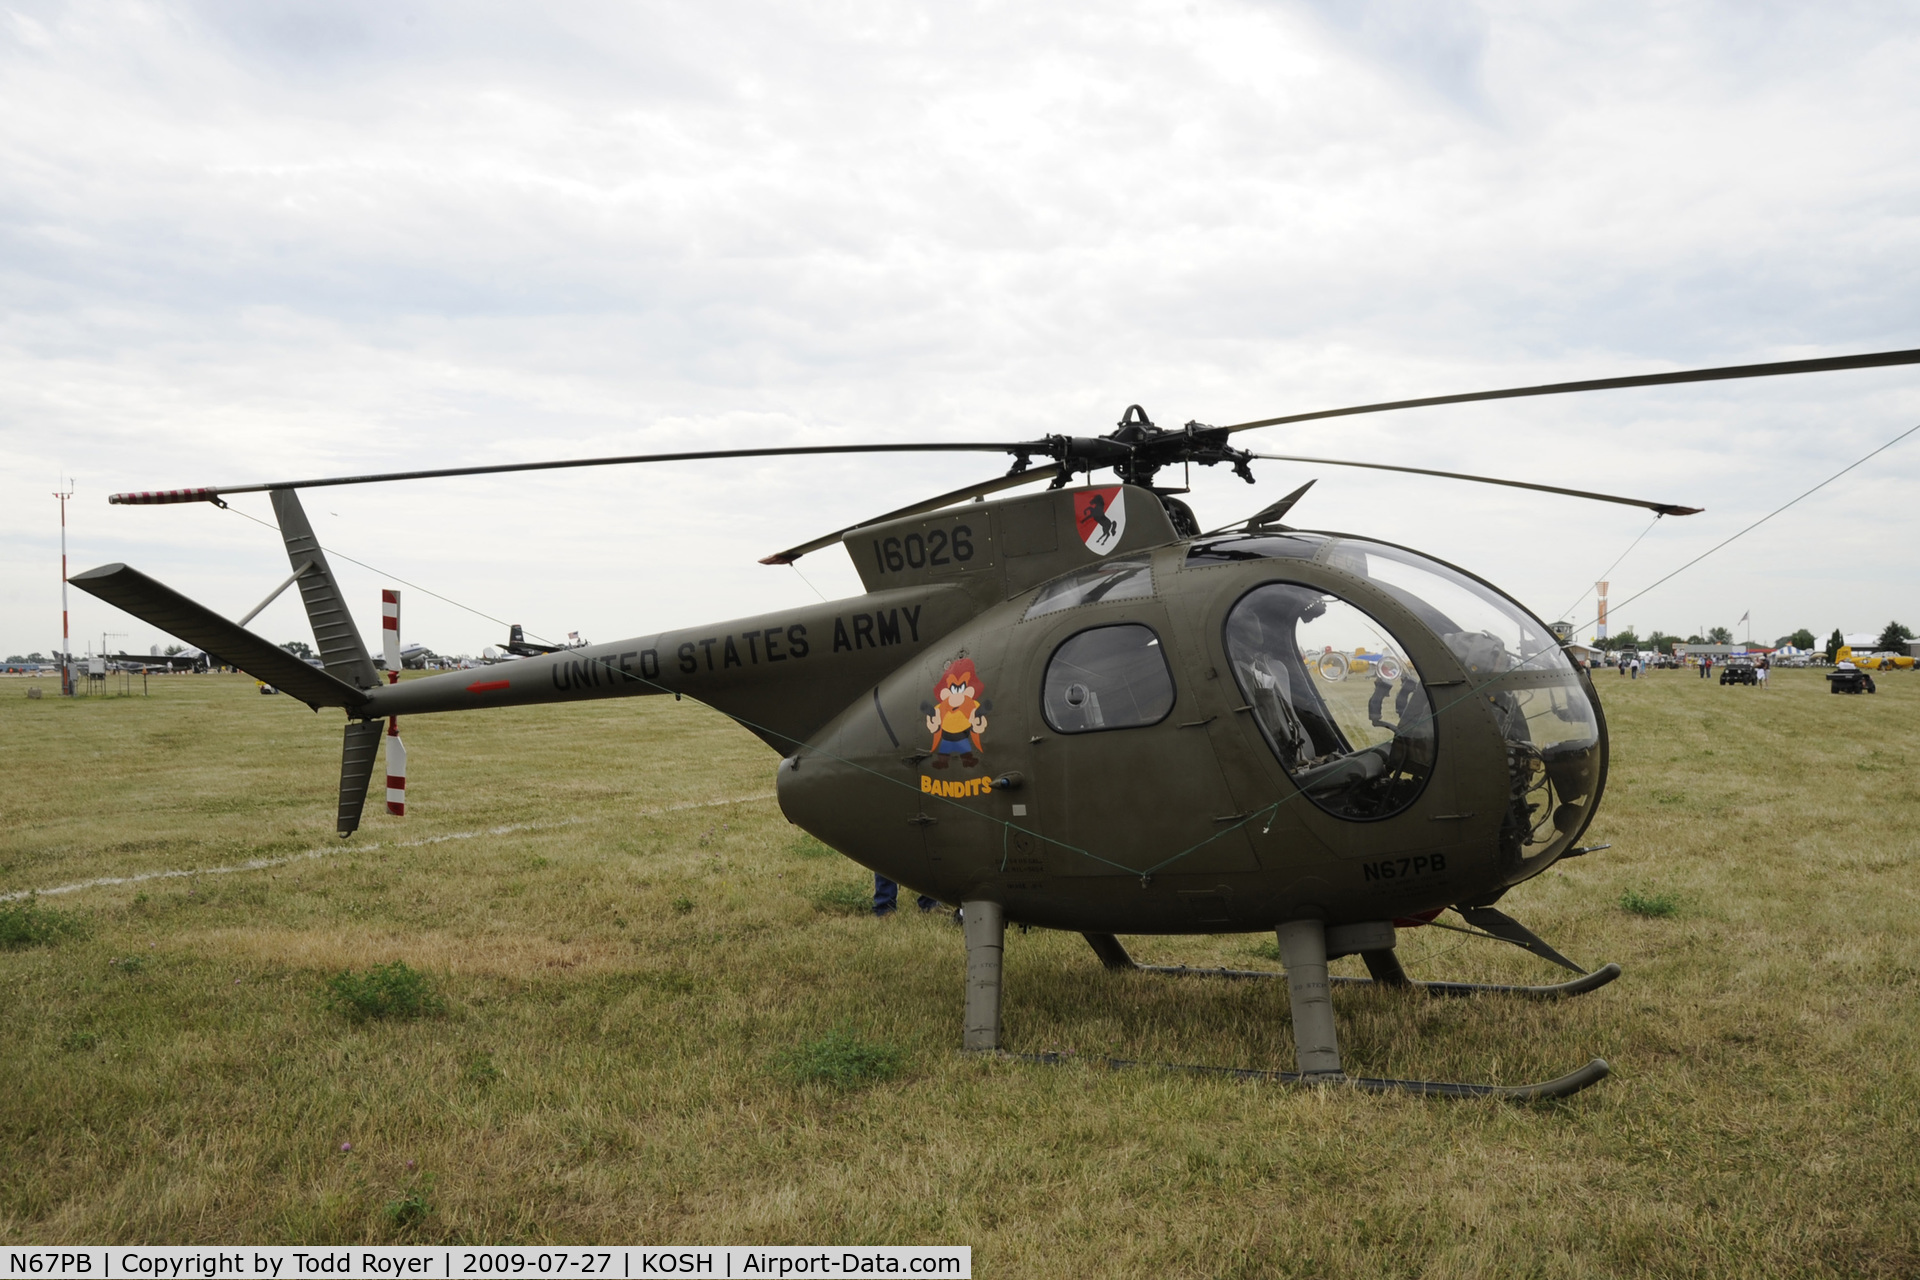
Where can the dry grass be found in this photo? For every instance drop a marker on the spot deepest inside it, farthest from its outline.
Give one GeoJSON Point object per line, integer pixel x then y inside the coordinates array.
{"type": "Point", "coordinates": [625, 977]}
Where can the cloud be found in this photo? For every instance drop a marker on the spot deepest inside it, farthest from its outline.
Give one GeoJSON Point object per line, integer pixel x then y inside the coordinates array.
{"type": "Point", "coordinates": [1440, 47]}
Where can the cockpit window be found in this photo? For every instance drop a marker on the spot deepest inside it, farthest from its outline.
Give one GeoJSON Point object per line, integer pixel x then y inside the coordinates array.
{"type": "Point", "coordinates": [1487, 632]}
{"type": "Point", "coordinates": [1121, 578]}
{"type": "Point", "coordinates": [1335, 696]}
{"type": "Point", "coordinates": [1107, 678]}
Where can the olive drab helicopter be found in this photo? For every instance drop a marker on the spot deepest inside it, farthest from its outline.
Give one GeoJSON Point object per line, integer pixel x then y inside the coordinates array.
{"type": "Point", "coordinates": [1076, 710]}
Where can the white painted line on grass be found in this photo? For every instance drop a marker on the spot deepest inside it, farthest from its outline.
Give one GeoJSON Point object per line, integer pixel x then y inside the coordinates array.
{"type": "Point", "coordinates": [333, 850]}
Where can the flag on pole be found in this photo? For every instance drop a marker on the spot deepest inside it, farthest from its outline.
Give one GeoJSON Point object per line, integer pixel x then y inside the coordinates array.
{"type": "Point", "coordinates": [1744, 617]}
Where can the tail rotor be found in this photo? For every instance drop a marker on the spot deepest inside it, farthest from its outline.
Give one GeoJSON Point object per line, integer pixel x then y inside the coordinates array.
{"type": "Point", "coordinates": [396, 750]}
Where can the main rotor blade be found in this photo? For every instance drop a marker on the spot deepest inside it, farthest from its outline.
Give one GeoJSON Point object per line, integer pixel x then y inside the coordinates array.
{"type": "Point", "coordinates": [980, 490]}
{"type": "Point", "coordinates": [1661, 508]}
{"type": "Point", "coordinates": [212, 494]}
{"type": "Point", "coordinates": [1774, 369]}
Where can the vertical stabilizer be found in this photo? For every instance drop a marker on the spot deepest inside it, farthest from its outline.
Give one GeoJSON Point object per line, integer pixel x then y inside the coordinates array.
{"type": "Point", "coordinates": [361, 745]}
{"type": "Point", "coordinates": [340, 646]}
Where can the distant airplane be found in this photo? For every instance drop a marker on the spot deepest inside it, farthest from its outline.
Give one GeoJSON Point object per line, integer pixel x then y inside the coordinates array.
{"type": "Point", "coordinates": [185, 660]}
{"type": "Point", "coordinates": [413, 656]}
{"type": "Point", "coordinates": [1876, 660]}
{"type": "Point", "coordinates": [520, 647]}
{"type": "Point", "coordinates": [1335, 665]}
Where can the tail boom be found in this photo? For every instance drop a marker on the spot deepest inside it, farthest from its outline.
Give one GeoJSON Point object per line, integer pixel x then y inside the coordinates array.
{"type": "Point", "coordinates": [783, 675]}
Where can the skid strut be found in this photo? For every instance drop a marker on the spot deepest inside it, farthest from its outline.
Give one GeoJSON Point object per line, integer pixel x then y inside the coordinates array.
{"type": "Point", "coordinates": [1316, 1043]}
{"type": "Point", "coordinates": [985, 925]}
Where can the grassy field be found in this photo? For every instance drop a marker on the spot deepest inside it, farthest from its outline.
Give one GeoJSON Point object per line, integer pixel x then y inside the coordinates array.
{"type": "Point", "coordinates": [636, 959]}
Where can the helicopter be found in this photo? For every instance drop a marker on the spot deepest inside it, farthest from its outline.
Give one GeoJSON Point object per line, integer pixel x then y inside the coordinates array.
{"type": "Point", "coordinates": [1077, 710]}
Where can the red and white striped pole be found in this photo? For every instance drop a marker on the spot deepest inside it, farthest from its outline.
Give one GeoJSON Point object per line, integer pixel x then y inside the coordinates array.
{"type": "Point", "coordinates": [396, 751]}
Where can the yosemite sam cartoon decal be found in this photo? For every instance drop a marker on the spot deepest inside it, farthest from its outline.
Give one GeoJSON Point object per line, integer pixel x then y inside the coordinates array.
{"type": "Point", "coordinates": [960, 718]}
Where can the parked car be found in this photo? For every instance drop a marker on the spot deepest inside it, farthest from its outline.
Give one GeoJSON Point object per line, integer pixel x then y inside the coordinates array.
{"type": "Point", "coordinates": [1738, 671]}
{"type": "Point", "coordinates": [1847, 678]}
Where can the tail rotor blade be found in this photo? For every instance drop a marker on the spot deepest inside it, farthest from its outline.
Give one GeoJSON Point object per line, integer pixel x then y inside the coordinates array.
{"type": "Point", "coordinates": [396, 770]}
{"type": "Point", "coordinates": [396, 750]}
{"type": "Point", "coordinates": [390, 632]}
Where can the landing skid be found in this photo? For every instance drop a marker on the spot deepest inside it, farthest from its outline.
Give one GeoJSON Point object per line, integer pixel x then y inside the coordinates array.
{"type": "Point", "coordinates": [1551, 991]}
{"type": "Point", "coordinates": [1304, 950]}
{"type": "Point", "coordinates": [1545, 1091]}
{"type": "Point", "coordinates": [1384, 966]}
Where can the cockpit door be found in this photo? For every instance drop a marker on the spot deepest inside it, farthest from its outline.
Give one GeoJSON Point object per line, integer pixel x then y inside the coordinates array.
{"type": "Point", "coordinates": [1334, 728]}
{"type": "Point", "coordinates": [1124, 779]}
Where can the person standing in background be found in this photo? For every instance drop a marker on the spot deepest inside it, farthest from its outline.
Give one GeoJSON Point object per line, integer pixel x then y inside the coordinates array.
{"type": "Point", "coordinates": [886, 897]}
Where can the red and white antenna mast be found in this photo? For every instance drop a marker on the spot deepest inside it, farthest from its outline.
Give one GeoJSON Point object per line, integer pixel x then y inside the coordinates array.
{"type": "Point", "coordinates": [66, 640]}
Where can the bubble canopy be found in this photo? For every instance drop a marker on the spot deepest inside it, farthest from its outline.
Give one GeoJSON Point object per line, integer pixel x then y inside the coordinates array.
{"type": "Point", "coordinates": [1556, 747]}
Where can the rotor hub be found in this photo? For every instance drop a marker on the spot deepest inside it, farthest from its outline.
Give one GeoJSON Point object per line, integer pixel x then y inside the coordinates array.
{"type": "Point", "coordinates": [1137, 450]}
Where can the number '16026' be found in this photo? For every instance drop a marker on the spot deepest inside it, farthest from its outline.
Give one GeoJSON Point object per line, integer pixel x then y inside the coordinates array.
{"type": "Point", "coordinates": [938, 548]}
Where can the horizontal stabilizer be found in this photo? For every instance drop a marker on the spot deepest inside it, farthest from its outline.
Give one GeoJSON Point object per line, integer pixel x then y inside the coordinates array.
{"type": "Point", "coordinates": [161, 606]}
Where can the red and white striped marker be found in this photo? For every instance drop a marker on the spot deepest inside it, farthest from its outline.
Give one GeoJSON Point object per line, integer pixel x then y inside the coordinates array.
{"type": "Point", "coordinates": [396, 750]}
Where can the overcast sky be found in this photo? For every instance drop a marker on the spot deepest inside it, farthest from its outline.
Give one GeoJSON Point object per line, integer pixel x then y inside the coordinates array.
{"type": "Point", "coordinates": [257, 241]}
